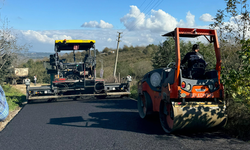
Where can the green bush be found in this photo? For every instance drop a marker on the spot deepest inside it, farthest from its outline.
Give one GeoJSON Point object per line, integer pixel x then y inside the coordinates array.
{"type": "Point", "coordinates": [13, 96]}
{"type": "Point", "coordinates": [238, 124]}
{"type": "Point", "coordinates": [133, 91]}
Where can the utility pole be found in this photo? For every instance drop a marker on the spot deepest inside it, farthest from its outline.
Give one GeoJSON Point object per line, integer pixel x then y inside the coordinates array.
{"type": "Point", "coordinates": [117, 50]}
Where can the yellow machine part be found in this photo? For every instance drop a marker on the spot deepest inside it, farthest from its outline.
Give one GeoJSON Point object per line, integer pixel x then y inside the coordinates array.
{"type": "Point", "coordinates": [192, 116]}
{"type": "Point", "coordinates": [75, 41]}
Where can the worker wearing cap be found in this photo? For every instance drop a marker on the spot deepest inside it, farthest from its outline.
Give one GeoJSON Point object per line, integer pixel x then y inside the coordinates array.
{"type": "Point", "coordinates": [192, 58]}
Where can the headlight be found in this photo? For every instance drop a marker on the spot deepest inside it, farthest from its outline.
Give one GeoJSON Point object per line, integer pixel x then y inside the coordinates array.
{"type": "Point", "coordinates": [188, 87]}
{"type": "Point", "coordinates": [155, 79]}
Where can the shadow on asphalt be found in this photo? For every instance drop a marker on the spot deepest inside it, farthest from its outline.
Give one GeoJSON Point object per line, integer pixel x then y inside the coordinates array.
{"type": "Point", "coordinates": [124, 121]}
{"type": "Point", "coordinates": [126, 118]}
{"type": "Point", "coordinates": [130, 121]}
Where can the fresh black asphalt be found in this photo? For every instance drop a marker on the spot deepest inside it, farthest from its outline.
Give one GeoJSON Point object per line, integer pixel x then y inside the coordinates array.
{"type": "Point", "coordinates": [100, 124]}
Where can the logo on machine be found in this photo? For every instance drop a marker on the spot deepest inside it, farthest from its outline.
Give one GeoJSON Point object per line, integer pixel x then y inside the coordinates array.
{"type": "Point", "coordinates": [201, 95]}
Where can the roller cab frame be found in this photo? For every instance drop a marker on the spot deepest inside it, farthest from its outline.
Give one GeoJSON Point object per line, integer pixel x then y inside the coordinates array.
{"type": "Point", "coordinates": [66, 80]}
{"type": "Point", "coordinates": [184, 103]}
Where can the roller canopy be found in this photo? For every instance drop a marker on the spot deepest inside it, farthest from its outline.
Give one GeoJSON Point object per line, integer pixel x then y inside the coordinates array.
{"type": "Point", "coordinates": [73, 45]}
{"type": "Point", "coordinates": [191, 32]}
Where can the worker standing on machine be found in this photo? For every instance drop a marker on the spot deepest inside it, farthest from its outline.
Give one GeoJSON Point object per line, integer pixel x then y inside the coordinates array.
{"type": "Point", "coordinates": [27, 83]}
{"type": "Point", "coordinates": [193, 58]}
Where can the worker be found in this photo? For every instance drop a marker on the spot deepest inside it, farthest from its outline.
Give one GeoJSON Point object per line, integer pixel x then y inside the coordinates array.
{"type": "Point", "coordinates": [4, 107]}
{"type": "Point", "coordinates": [193, 59]}
{"type": "Point", "coordinates": [27, 82]}
{"type": "Point", "coordinates": [129, 79]}
{"type": "Point", "coordinates": [35, 78]}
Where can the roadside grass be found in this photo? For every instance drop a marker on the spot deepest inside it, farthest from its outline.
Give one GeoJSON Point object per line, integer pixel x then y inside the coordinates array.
{"type": "Point", "coordinates": [14, 97]}
{"type": "Point", "coordinates": [133, 91]}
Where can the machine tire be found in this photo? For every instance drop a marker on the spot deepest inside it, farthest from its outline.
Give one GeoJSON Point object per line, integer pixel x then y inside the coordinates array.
{"type": "Point", "coordinates": [144, 105]}
{"type": "Point", "coordinates": [99, 87]}
{"type": "Point", "coordinates": [166, 115]}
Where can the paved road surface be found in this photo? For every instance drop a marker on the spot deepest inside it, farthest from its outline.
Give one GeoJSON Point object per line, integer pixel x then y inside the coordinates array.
{"type": "Point", "coordinates": [100, 124]}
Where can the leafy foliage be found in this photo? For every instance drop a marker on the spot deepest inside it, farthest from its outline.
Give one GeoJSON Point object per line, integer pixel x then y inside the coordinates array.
{"type": "Point", "coordinates": [9, 48]}
{"type": "Point", "coordinates": [166, 53]}
{"type": "Point", "coordinates": [37, 68]}
{"type": "Point", "coordinates": [233, 23]}
{"type": "Point", "coordinates": [237, 81]}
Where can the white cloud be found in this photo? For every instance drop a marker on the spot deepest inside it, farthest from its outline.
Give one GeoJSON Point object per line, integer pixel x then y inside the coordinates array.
{"type": "Point", "coordinates": [43, 37]}
{"type": "Point", "coordinates": [134, 19]}
{"type": "Point", "coordinates": [109, 40]}
{"type": "Point", "coordinates": [95, 24]}
{"type": "Point", "coordinates": [206, 18]}
{"type": "Point", "coordinates": [140, 30]}
{"type": "Point", "coordinates": [190, 22]}
{"type": "Point", "coordinates": [43, 41]}
{"type": "Point", "coordinates": [158, 21]}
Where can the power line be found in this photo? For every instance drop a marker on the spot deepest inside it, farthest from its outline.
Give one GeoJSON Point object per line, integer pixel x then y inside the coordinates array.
{"type": "Point", "coordinates": [136, 22]}
{"type": "Point", "coordinates": [142, 12]}
{"type": "Point", "coordinates": [141, 6]}
{"type": "Point", "coordinates": [143, 3]}
{"type": "Point", "coordinates": [148, 5]}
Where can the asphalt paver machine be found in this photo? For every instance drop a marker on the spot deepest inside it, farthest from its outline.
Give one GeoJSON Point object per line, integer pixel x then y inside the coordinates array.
{"type": "Point", "coordinates": [76, 79]}
{"type": "Point", "coordinates": [183, 102]}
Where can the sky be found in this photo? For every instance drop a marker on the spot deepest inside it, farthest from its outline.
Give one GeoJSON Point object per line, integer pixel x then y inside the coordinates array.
{"type": "Point", "coordinates": [142, 22]}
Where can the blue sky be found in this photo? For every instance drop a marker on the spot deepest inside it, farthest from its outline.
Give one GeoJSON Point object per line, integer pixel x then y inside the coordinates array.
{"type": "Point", "coordinates": [39, 23]}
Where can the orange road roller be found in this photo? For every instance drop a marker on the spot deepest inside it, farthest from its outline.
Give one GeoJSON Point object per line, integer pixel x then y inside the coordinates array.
{"type": "Point", "coordinates": [185, 102]}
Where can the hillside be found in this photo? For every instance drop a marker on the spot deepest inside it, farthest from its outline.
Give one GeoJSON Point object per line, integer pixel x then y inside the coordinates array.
{"type": "Point", "coordinates": [133, 62]}
{"type": "Point", "coordinates": [34, 55]}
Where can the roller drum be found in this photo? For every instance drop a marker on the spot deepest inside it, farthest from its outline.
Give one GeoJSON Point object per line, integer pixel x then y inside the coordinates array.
{"type": "Point", "coordinates": [175, 117]}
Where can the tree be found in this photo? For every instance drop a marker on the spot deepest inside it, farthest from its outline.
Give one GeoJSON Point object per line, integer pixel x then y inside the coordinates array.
{"type": "Point", "coordinates": [233, 25]}
{"type": "Point", "coordinates": [37, 68]}
{"type": "Point", "coordinates": [105, 50]}
{"type": "Point", "coordinates": [9, 50]}
{"type": "Point", "coordinates": [233, 22]}
{"type": "Point", "coordinates": [125, 48]}
{"type": "Point", "coordinates": [165, 54]}
{"type": "Point", "coordinates": [150, 49]}
{"type": "Point", "coordinates": [141, 68]}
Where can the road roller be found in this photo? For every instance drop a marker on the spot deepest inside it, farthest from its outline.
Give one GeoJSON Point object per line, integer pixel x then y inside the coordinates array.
{"type": "Point", "coordinates": [184, 102]}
